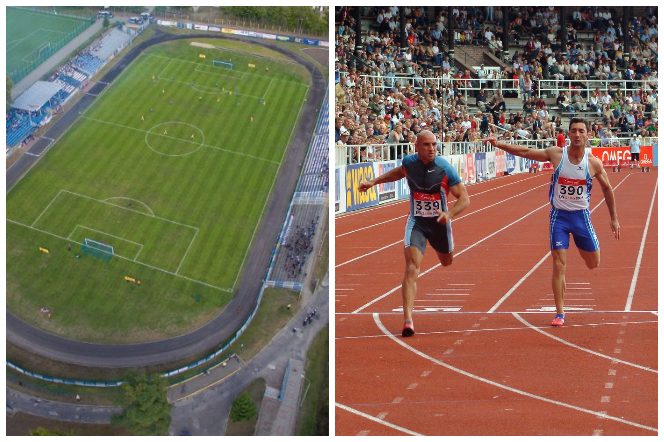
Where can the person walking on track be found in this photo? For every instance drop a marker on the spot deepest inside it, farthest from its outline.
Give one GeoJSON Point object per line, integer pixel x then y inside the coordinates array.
{"type": "Point", "coordinates": [430, 178]}
{"type": "Point", "coordinates": [569, 193]}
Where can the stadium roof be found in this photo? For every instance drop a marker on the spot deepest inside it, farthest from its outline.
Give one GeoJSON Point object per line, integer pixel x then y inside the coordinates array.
{"type": "Point", "coordinates": [36, 96]}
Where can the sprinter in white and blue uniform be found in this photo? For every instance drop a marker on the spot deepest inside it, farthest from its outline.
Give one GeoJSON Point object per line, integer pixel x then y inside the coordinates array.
{"type": "Point", "coordinates": [569, 193]}
{"type": "Point", "coordinates": [430, 179]}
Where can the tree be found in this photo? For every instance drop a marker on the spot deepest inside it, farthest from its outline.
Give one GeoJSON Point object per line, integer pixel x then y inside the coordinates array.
{"type": "Point", "coordinates": [10, 86]}
{"type": "Point", "coordinates": [146, 410]}
{"type": "Point", "coordinates": [243, 408]}
{"type": "Point", "coordinates": [105, 23]}
{"type": "Point", "coordinates": [41, 431]}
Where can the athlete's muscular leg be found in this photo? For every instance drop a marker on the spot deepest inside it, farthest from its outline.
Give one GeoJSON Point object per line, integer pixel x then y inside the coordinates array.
{"type": "Point", "coordinates": [409, 286]}
{"type": "Point", "coordinates": [591, 258]}
{"type": "Point", "coordinates": [445, 258]}
{"type": "Point", "coordinates": [558, 279]}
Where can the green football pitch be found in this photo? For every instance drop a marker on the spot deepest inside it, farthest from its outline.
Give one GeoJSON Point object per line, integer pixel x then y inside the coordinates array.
{"type": "Point", "coordinates": [172, 167]}
{"type": "Point", "coordinates": [32, 36]}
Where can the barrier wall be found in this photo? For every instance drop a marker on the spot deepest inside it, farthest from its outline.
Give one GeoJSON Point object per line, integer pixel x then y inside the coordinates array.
{"type": "Point", "coordinates": [242, 32]}
{"type": "Point", "coordinates": [472, 168]}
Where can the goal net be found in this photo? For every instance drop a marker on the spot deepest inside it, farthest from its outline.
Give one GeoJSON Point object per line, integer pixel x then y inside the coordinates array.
{"type": "Point", "coordinates": [223, 64]}
{"type": "Point", "coordinates": [97, 249]}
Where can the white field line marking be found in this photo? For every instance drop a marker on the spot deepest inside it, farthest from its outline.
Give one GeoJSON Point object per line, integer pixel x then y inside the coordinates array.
{"type": "Point", "coordinates": [128, 259]}
{"type": "Point", "coordinates": [140, 246]}
{"type": "Point", "coordinates": [455, 220]}
{"type": "Point", "coordinates": [47, 206]}
{"type": "Point", "coordinates": [375, 419]}
{"type": "Point", "coordinates": [276, 176]}
{"type": "Point", "coordinates": [548, 335]}
{"type": "Point", "coordinates": [180, 139]}
{"type": "Point", "coordinates": [473, 330]}
{"type": "Point", "coordinates": [129, 210]}
{"type": "Point", "coordinates": [530, 272]}
{"type": "Point", "coordinates": [632, 287]}
{"type": "Point", "coordinates": [505, 387]}
{"type": "Point", "coordinates": [177, 271]}
{"type": "Point", "coordinates": [456, 254]}
{"type": "Point", "coordinates": [130, 199]}
{"type": "Point", "coordinates": [463, 216]}
{"type": "Point", "coordinates": [178, 60]}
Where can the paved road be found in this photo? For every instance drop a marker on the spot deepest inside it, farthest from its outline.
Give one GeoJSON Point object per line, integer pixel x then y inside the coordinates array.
{"type": "Point", "coordinates": [228, 321]}
{"type": "Point", "coordinates": [206, 412]}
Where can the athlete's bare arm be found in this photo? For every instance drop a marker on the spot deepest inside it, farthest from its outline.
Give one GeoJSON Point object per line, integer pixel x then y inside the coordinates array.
{"type": "Point", "coordinates": [596, 167]}
{"type": "Point", "coordinates": [393, 175]}
{"type": "Point", "coordinates": [461, 204]}
{"type": "Point", "coordinates": [552, 154]}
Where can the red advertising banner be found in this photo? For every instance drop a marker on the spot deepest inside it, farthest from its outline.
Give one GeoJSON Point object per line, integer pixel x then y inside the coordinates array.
{"type": "Point", "coordinates": [470, 168]}
{"type": "Point", "coordinates": [621, 154]}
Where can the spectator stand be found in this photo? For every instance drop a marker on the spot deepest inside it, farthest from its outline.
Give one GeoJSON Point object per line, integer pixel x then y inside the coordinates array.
{"type": "Point", "coordinates": [308, 207]}
{"type": "Point", "coordinates": [32, 109]}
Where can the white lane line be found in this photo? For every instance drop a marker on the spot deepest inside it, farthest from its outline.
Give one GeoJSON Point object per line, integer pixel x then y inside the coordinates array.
{"type": "Point", "coordinates": [375, 419]}
{"type": "Point", "coordinates": [562, 341]}
{"type": "Point", "coordinates": [632, 287]}
{"type": "Point", "coordinates": [455, 255]}
{"type": "Point", "coordinates": [504, 387]}
{"type": "Point", "coordinates": [507, 295]}
{"type": "Point", "coordinates": [455, 220]}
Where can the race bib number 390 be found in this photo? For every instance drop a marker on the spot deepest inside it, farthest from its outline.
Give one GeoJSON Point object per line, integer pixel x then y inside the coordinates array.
{"type": "Point", "coordinates": [425, 204]}
{"type": "Point", "coordinates": [571, 189]}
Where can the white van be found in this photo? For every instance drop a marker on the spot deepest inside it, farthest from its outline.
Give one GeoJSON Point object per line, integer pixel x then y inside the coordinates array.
{"type": "Point", "coordinates": [106, 14]}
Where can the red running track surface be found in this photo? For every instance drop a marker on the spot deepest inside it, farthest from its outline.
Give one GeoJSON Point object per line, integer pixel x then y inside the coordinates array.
{"type": "Point", "coordinates": [484, 360]}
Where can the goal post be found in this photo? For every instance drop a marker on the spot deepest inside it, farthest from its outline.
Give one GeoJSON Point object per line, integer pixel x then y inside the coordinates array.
{"type": "Point", "coordinates": [97, 249]}
{"type": "Point", "coordinates": [223, 64]}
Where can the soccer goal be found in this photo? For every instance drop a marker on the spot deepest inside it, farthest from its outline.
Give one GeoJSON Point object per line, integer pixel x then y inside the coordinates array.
{"type": "Point", "coordinates": [97, 249]}
{"type": "Point", "coordinates": [223, 64]}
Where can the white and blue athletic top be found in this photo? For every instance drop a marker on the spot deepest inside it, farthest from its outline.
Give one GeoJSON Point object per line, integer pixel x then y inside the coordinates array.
{"type": "Point", "coordinates": [571, 184]}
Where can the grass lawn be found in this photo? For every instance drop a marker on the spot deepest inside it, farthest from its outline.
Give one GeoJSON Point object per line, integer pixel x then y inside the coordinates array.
{"type": "Point", "coordinates": [172, 166]}
{"type": "Point", "coordinates": [313, 416]}
{"type": "Point", "coordinates": [34, 36]}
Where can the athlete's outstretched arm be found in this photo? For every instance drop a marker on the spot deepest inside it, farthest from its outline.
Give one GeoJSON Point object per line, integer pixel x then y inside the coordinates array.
{"type": "Point", "coordinates": [461, 204]}
{"type": "Point", "coordinates": [521, 151]}
{"type": "Point", "coordinates": [393, 175]}
{"type": "Point", "coordinates": [607, 190]}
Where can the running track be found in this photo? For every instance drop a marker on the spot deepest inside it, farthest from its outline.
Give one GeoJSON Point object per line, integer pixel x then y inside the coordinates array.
{"type": "Point", "coordinates": [484, 360]}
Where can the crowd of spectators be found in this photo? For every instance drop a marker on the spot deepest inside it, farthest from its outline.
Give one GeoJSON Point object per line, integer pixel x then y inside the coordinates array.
{"type": "Point", "coordinates": [298, 247]}
{"type": "Point", "coordinates": [376, 114]}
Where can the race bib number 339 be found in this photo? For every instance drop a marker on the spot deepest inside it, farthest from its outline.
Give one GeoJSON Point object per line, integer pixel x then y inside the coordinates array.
{"type": "Point", "coordinates": [425, 204]}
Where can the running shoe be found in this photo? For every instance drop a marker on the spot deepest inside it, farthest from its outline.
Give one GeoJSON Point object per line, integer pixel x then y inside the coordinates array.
{"type": "Point", "coordinates": [558, 321]}
{"type": "Point", "coordinates": [408, 329]}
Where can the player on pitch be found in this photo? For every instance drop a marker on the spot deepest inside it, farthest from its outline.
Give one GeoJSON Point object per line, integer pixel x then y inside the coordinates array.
{"type": "Point", "coordinates": [430, 179]}
{"type": "Point", "coordinates": [569, 193]}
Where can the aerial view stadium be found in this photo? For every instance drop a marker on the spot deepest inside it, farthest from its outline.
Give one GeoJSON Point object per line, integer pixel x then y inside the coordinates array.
{"type": "Point", "coordinates": [468, 142]}
{"type": "Point", "coordinates": [166, 214]}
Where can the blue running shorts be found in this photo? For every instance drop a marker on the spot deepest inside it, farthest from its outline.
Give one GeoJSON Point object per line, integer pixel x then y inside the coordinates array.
{"type": "Point", "coordinates": [575, 222]}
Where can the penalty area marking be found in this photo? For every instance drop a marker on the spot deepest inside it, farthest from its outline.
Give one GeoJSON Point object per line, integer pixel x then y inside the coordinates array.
{"type": "Point", "coordinates": [107, 200]}
{"type": "Point", "coordinates": [598, 414]}
{"type": "Point", "coordinates": [140, 246]}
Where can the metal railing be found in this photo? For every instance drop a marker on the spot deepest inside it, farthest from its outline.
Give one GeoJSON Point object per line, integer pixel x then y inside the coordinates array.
{"type": "Point", "coordinates": [365, 153]}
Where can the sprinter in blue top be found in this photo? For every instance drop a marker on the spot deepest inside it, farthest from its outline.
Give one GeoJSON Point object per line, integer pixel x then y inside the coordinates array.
{"type": "Point", "coordinates": [430, 179]}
